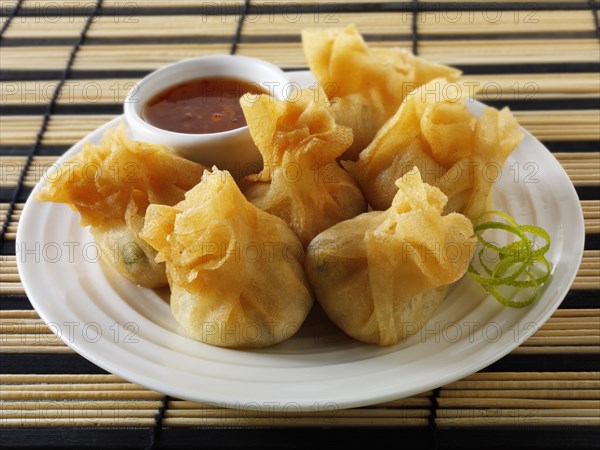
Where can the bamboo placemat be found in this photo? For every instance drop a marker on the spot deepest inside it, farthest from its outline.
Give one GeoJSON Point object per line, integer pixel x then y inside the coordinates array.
{"type": "Point", "coordinates": [65, 67]}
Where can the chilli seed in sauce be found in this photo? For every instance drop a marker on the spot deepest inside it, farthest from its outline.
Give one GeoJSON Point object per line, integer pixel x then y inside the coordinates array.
{"type": "Point", "coordinates": [200, 106]}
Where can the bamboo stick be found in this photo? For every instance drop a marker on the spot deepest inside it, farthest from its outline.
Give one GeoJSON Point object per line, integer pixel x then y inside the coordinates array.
{"type": "Point", "coordinates": [557, 350]}
{"type": "Point", "coordinates": [81, 387]}
{"type": "Point", "coordinates": [585, 330]}
{"type": "Point", "coordinates": [516, 413]}
{"type": "Point", "coordinates": [47, 414]}
{"type": "Point", "coordinates": [106, 405]}
{"type": "Point", "coordinates": [524, 384]}
{"type": "Point", "coordinates": [91, 422]}
{"type": "Point", "coordinates": [35, 349]}
{"type": "Point", "coordinates": [577, 394]}
{"type": "Point", "coordinates": [564, 340]}
{"type": "Point", "coordinates": [575, 326]}
{"type": "Point", "coordinates": [12, 288]}
{"type": "Point", "coordinates": [519, 403]}
{"type": "Point", "coordinates": [559, 318]}
{"type": "Point", "coordinates": [62, 378]}
{"type": "Point", "coordinates": [292, 22]}
{"type": "Point", "coordinates": [468, 1]}
{"type": "Point", "coordinates": [53, 4]}
{"type": "Point", "coordinates": [294, 422]}
{"type": "Point", "coordinates": [585, 285]}
{"type": "Point", "coordinates": [290, 55]}
{"type": "Point", "coordinates": [79, 395]}
{"type": "Point", "coordinates": [428, 22]}
{"type": "Point", "coordinates": [293, 413]}
{"type": "Point", "coordinates": [10, 277]}
{"type": "Point", "coordinates": [48, 339]}
{"type": "Point", "coordinates": [509, 51]}
{"type": "Point", "coordinates": [510, 421]}
{"type": "Point", "coordinates": [591, 312]}
{"type": "Point", "coordinates": [422, 400]}
{"type": "Point", "coordinates": [16, 313]}
{"type": "Point", "coordinates": [528, 376]}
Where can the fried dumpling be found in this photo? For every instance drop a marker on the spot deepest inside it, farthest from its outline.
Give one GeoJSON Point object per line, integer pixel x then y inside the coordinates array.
{"type": "Point", "coordinates": [235, 271]}
{"type": "Point", "coordinates": [301, 182]}
{"type": "Point", "coordinates": [111, 185]}
{"type": "Point", "coordinates": [381, 275]}
{"type": "Point", "coordinates": [454, 150]}
{"type": "Point", "coordinates": [365, 84]}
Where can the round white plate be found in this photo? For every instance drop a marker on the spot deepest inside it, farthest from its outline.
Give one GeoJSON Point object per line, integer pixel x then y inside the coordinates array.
{"type": "Point", "coordinates": [129, 330]}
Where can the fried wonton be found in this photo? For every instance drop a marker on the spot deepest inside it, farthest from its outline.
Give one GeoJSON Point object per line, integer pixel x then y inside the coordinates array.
{"type": "Point", "coordinates": [301, 182]}
{"type": "Point", "coordinates": [365, 84]}
{"type": "Point", "coordinates": [454, 150]}
{"type": "Point", "coordinates": [235, 271]}
{"type": "Point", "coordinates": [111, 185]}
{"type": "Point", "coordinates": [381, 275]}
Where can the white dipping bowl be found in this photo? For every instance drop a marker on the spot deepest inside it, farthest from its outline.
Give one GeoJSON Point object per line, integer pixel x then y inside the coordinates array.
{"type": "Point", "coordinates": [231, 150]}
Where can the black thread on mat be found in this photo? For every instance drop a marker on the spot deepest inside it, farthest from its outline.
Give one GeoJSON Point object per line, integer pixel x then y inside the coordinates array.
{"type": "Point", "coordinates": [413, 29]}
{"type": "Point", "coordinates": [238, 31]}
{"type": "Point", "coordinates": [432, 416]}
{"type": "Point", "coordinates": [10, 17]}
{"type": "Point", "coordinates": [158, 423]}
{"type": "Point", "coordinates": [47, 114]}
{"type": "Point", "coordinates": [594, 10]}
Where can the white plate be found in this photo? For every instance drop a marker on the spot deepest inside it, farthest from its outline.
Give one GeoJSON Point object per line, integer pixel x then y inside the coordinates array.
{"type": "Point", "coordinates": [129, 330]}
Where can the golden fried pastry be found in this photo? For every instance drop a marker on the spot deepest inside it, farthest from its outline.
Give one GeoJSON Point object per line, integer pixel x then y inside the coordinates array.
{"type": "Point", "coordinates": [380, 276]}
{"type": "Point", "coordinates": [235, 271]}
{"type": "Point", "coordinates": [301, 182]}
{"type": "Point", "coordinates": [365, 84]}
{"type": "Point", "coordinates": [111, 185]}
{"type": "Point", "coordinates": [454, 150]}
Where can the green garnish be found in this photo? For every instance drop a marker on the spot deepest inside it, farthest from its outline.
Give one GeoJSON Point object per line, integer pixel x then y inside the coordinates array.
{"type": "Point", "coordinates": [132, 254]}
{"type": "Point", "coordinates": [519, 264]}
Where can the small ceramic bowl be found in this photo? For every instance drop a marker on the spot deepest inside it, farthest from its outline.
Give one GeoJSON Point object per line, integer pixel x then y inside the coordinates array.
{"type": "Point", "coordinates": [231, 150]}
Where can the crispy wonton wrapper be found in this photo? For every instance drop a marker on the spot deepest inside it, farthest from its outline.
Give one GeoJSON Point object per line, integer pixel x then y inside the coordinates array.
{"type": "Point", "coordinates": [301, 182]}
{"type": "Point", "coordinates": [381, 275]}
{"type": "Point", "coordinates": [235, 271]}
{"type": "Point", "coordinates": [366, 84]}
{"type": "Point", "coordinates": [111, 185]}
{"type": "Point", "coordinates": [454, 150]}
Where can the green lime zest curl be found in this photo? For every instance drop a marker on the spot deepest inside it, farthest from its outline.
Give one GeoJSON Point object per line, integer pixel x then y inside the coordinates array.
{"type": "Point", "coordinates": [520, 264]}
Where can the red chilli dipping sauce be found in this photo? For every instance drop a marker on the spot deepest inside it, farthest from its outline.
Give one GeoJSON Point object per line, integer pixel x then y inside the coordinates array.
{"type": "Point", "coordinates": [200, 106]}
